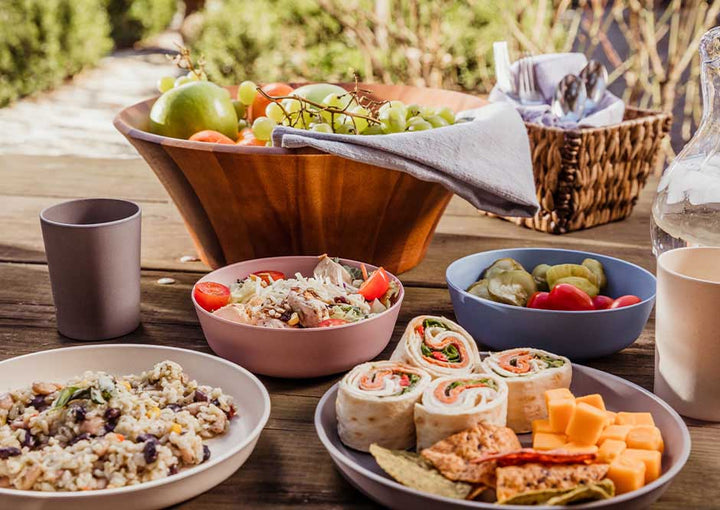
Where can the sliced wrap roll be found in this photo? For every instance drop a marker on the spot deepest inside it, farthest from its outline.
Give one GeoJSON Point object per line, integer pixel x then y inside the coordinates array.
{"type": "Point", "coordinates": [438, 345]}
{"type": "Point", "coordinates": [528, 373]}
{"type": "Point", "coordinates": [455, 403]}
{"type": "Point", "coordinates": [375, 405]}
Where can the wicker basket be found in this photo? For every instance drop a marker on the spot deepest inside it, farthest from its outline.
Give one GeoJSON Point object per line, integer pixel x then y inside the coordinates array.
{"type": "Point", "coordinates": [589, 177]}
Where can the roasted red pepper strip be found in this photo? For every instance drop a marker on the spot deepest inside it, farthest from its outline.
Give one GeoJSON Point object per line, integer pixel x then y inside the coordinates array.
{"type": "Point", "coordinates": [439, 356]}
{"type": "Point", "coordinates": [526, 455]}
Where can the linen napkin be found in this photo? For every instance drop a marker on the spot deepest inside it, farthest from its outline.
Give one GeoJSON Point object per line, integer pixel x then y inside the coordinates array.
{"type": "Point", "coordinates": [549, 70]}
{"type": "Point", "coordinates": [486, 161]}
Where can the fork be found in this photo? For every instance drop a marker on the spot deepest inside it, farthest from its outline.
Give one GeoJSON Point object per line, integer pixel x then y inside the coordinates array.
{"type": "Point", "coordinates": [527, 90]}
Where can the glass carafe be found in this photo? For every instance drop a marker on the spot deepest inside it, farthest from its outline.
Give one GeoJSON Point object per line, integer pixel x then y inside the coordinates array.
{"type": "Point", "coordinates": [686, 211]}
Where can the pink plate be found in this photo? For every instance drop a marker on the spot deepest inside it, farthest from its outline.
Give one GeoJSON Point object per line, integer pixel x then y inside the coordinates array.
{"type": "Point", "coordinates": [294, 353]}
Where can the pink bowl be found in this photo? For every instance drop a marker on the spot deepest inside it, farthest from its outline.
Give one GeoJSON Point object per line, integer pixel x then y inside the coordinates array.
{"type": "Point", "coordinates": [294, 352]}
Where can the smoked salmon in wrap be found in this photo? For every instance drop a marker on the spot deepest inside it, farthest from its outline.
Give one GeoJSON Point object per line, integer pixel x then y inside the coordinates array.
{"type": "Point", "coordinates": [529, 373]}
{"type": "Point", "coordinates": [375, 404]}
{"type": "Point", "coordinates": [459, 402]}
{"type": "Point", "coordinates": [437, 345]}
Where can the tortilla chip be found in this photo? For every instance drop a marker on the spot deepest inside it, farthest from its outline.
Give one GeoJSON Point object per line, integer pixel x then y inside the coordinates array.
{"type": "Point", "coordinates": [411, 470]}
{"type": "Point", "coordinates": [561, 497]}
{"type": "Point", "coordinates": [454, 455]}
{"type": "Point", "coordinates": [534, 478]}
{"type": "Point", "coordinates": [604, 489]}
{"type": "Point", "coordinates": [476, 491]}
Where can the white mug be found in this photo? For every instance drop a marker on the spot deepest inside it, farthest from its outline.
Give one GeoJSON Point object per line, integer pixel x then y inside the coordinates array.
{"type": "Point", "coordinates": [687, 331]}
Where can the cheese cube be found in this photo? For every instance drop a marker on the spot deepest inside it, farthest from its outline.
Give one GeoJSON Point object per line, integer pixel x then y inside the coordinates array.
{"type": "Point", "coordinates": [610, 449]}
{"type": "Point", "coordinates": [652, 460]}
{"type": "Point", "coordinates": [634, 419]}
{"type": "Point", "coordinates": [627, 473]}
{"type": "Point", "coordinates": [645, 437]}
{"type": "Point", "coordinates": [548, 441]}
{"type": "Point", "coordinates": [579, 448]}
{"type": "Point", "coordinates": [559, 413]}
{"type": "Point", "coordinates": [541, 426]}
{"type": "Point", "coordinates": [585, 425]}
{"type": "Point", "coordinates": [610, 418]}
{"type": "Point", "coordinates": [617, 432]}
{"type": "Point", "coordinates": [557, 393]}
{"type": "Point", "coordinates": [594, 400]}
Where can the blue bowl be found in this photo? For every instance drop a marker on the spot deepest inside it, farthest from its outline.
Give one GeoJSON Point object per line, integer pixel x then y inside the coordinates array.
{"type": "Point", "coordinates": [577, 335]}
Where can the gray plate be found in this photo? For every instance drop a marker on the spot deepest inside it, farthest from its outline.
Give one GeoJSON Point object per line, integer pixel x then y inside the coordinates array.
{"type": "Point", "coordinates": [361, 470]}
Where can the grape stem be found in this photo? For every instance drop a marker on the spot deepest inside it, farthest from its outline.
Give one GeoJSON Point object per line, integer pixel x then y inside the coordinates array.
{"type": "Point", "coordinates": [330, 109]}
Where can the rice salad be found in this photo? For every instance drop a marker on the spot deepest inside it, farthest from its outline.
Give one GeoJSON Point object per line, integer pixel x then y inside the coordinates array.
{"type": "Point", "coordinates": [99, 431]}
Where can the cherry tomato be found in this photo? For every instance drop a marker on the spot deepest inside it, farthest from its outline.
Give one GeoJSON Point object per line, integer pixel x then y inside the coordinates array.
{"type": "Point", "coordinates": [375, 286]}
{"type": "Point", "coordinates": [210, 136]}
{"type": "Point", "coordinates": [211, 295]}
{"type": "Point", "coordinates": [328, 323]}
{"type": "Point", "coordinates": [625, 301]}
{"type": "Point", "coordinates": [267, 275]}
{"type": "Point", "coordinates": [539, 300]}
{"type": "Point", "coordinates": [271, 89]}
{"type": "Point", "coordinates": [568, 297]}
{"type": "Point", "coordinates": [602, 302]}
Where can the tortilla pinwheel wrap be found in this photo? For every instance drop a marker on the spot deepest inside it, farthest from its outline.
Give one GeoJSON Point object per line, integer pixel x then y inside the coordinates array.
{"type": "Point", "coordinates": [375, 405]}
{"type": "Point", "coordinates": [437, 345]}
{"type": "Point", "coordinates": [456, 403]}
{"type": "Point", "coordinates": [529, 373]}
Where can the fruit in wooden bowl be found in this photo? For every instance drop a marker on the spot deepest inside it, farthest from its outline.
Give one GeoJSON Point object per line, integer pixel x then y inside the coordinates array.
{"type": "Point", "coordinates": [242, 202]}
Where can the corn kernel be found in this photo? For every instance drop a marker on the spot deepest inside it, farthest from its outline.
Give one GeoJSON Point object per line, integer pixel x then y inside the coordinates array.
{"type": "Point", "coordinates": [176, 428]}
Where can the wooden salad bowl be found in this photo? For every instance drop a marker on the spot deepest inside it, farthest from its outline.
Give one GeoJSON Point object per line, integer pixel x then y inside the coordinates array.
{"type": "Point", "coordinates": [244, 202]}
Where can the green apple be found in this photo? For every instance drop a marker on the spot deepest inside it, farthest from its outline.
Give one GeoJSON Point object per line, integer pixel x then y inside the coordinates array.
{"type": "Point", "coordinates": [182, 111]}
{"type": "Point", "coordinates": [316, 92]}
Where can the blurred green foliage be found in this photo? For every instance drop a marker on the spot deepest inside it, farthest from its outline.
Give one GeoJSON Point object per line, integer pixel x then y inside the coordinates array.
{"type": "Point", "coordinates": [44, 41]}
{"type": "Point", "coordinates": [439, 43]}
{"type": "Point", "coordinates": [134, 20]}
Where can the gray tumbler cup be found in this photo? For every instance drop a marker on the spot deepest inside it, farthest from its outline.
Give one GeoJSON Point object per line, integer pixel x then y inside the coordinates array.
{"type": "Point", "coordinates": [93, 253]}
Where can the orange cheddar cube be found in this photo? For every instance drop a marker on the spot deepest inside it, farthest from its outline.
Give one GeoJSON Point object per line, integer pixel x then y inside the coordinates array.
{"type": "Point", "coordinates": [645, 437]}
{"type": "Point", "coordinates": [579, 448]}
{"type": "Point", "coordinates": [610, 418]}
{"type": "Point", "coordinates": [617, 432]}
{"type": "Point", "coordinates": [541, 426]}
{"type": "Point", "coordinates": [627, 473]}
{"type": "Point", "coordinates": [558, 393]}
{"type": "Point", "coordinates": [623, 418]}
{"type": "Point", "coordinates": [594, 400]}
{"type": "Point", "coordinates": [652, 460]}
{"type": "Point", "coordinates": [585, 425]}
{"type": "Point", "coordinates": [610, 449]}
{"type": "Point", "coordinates": [548, 441]}
{"type": "Point", "coordinates": [559, 413]}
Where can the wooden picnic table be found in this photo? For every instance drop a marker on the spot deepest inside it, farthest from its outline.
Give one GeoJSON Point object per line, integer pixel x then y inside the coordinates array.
{"type": "Point", "coordinates": [289, 466]}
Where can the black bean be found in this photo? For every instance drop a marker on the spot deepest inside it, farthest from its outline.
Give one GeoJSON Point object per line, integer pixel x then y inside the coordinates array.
{"type": "Point", "coordinates": [173, 407]}
{"type": "Point", "coordinates": [146, 437]}
{"type": "Point", "coordinates": [150, 452]}
{"type": "Point", "coordinates": [38, 402]}
{"type": "Point", "coordinates": [79, 437]}
{"type": "Point", "coordinates": [112, 414]}
{"type": "Point", "coordinates": [29, 440]}
{"type": "Point", "coordinates": [79, 413]}
{"type": "Point", "coordinates": [200, 396]}
{"type": "Point", "coordinates": [173, 470]}
{"type": "Point", "coordinates": [206, 453]}
{"type": "Point", "coordinates": [9, 451]}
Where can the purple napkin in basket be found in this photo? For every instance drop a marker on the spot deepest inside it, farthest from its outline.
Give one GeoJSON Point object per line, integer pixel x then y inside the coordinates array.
{"type": "Point", "coordinates": [549, 70]}
{"type": "Point", "coordinates": [486, 161]}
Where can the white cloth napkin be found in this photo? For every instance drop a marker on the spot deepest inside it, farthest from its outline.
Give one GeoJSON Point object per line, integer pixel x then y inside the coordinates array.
{"type": "Point", "coordinates": [487, 161]}
{"type": "Point", "coordinates": [549, 70]}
